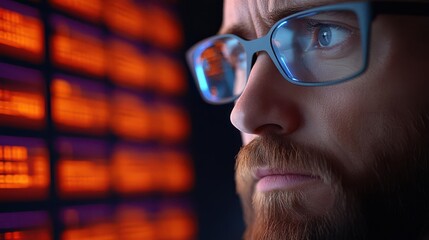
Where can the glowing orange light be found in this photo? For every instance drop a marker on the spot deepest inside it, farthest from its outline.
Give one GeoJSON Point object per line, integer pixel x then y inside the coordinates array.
{"type": "Point", "coordinates": [31, 234]}
{"type": "Point", "coordinates": [91, 10]}
{"type": "Point", "coordinates": [181, 225]}
{"type": "Point", "coordinates": [79, 178]}
{"type": "Point", "coordinates": [98, 231]}
{"type": "Point", "coordinates": [73, 107]}
{"type": "Point", "coordinates": [78, 51]}
{"type": "Point", "coordinates": [22, 104]}
{"type": "Point", "coordinates": [135, 224]}
{"type": "Point", "coordinates": [132, 117]}
{"type": "Point", "coordinates": [20, 36]}
{"type": "Point", "coordinates": [173, 123]}
{"type": "Point", "coordinates": [166, 30]}
{"type": "Point", "coordinates": [133, 171]}
{"type": "Point", "coordinates": [175, 174]}
{"type": "Point", "coordinates": [126, 17]}
{"type": "Point", "coordinates": [23, 171]}
{"type": "Point", "coordinates": [128, 66]}
{"type": "Point", "coordinates": [169, 75]}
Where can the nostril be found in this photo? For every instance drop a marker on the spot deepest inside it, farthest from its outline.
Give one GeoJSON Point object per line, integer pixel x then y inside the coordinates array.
{"type": "Point", "coordinates": [269, 129]}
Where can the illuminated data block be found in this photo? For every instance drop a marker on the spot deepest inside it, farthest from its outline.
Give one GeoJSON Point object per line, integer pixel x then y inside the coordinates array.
{"type": "Point", "coordinates": [132, 116]}
{"type": "Point", "coordinates": [165, 30]}
{"type": "Point", "coordinates": [22, 102]}
{"type": "Point", "coordinates": [175, 172]}
{"type": "Point", "coordinates": [180, 222]}
{"type": "Point", "coordinates": [128, 65]}
{"type": "Point", "coordinates": [25, 226]}
{"type": "Point", "coordinates": [24, 169]}
{"type": "Point", "coordinates": [91, 10]}
{"type": "Point", "coordinates": [135, 222]}
{"type": "Point", "coordinates": [82, 169]}
{"type": "Point", "coordinates": [127, 18]}
{"type": "Point", "coordinates": [79, 105]}
{"type": "Point", "coordinates": [21, 32]}
{"type": "Point", "coordinates": [133, 169]}
{"type": "Point", "coordinates": [77, 47]}
{"type": "Point", "coordinates": [169, 75]}
{"type": "Point", "coordinates": [173, 123]}
{"type": "Point", "coordinates": [91, 222]}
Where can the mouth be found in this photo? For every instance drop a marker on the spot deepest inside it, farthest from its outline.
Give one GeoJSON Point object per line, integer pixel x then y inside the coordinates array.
{"type": "Point", "coordinates": [288, 180]}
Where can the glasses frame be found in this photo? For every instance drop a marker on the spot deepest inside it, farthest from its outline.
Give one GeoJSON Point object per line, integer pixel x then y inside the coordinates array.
{"type": "Point", "coordinates": [365, 11]}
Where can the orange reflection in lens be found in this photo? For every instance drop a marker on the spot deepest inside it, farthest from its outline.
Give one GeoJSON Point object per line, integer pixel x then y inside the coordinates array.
{"type": "Point", "coordinates": [77, 50]}
{"type": "Point", "coordinates": [128, 66]}
{"type": "Point", "coordinates": [20, 36]}
{"type": "Point", "coordinates": [74, 107]}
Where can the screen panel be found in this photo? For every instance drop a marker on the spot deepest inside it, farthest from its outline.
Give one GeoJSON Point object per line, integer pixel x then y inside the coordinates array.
{"type": "Point", "coordinates": [22, 101]}
{"type": "Point", "coordinates": [24, 169]}
{"type": "Point", "coordinates": [93, 125]}
{"type": "Point", "coordinates": [21, 32]}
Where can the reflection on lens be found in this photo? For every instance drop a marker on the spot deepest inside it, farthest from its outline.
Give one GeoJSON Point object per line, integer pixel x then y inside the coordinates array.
{"type": "Point", "coordinates": [319, 47]}
{"type": "Point", "coordinates": [221, 69]}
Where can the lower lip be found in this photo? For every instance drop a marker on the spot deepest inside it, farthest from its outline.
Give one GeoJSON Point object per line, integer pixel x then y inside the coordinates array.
{"type": "Point", "coordinates": [283, 182]}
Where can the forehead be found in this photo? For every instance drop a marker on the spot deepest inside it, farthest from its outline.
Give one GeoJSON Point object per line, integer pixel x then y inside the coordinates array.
{"type": "Point", "coordinates": [256, 15]}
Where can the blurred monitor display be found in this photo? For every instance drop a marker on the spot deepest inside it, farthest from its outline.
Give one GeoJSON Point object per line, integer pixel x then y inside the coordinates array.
{"type": "Point", "coordinates": [25, 226]}
{"type": "Point", "coordinates": [24, 169]}
{"type": "Point", "coordinates": [21, 32]}
{"type": "Point", "coordinates": [93, 125]}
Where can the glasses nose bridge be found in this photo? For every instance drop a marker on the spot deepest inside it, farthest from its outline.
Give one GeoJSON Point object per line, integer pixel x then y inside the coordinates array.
{"type": "Point", "coordinates": [259, 45]}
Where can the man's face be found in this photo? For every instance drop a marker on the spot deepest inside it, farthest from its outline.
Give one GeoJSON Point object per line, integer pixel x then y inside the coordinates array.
{"type": "Point", "coordinates": [348, 161]}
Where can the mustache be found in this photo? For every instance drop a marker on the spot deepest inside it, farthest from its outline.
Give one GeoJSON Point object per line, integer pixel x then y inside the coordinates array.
{"type": "Point", "coordinates": [275, 152]}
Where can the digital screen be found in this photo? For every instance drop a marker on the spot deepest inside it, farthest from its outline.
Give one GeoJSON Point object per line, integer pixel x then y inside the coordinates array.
{"type": "Point", "coordinates": [134, 168]}
{"type": "Point", "coordinates": [21, 32]}
{"type": "Point", "coordinates": [133, 116]}
{"type": "Point", "coordinates": [129, 66]}
{"type": "Point", "coordinates": [24, 169]}
{"type": "Point", "coordinates": [91, 10]}
{"type": "Point", "coordinates": [82, 168]}
{"type": "Point", "coordinates": [79, 105]}
{"type": "Point", "coordinates": [22, 100]}
{"type": "Point", "coordinates": [25, 226]}
{"type": "Point", "coordinates": [169, 75]}
{"type": "Point", "coordinates": [93, 124]}
{"type": "Point", "coordinates": [78, 47]}
{"type": "Point", "coordinates": [129, 221]}
{"type": "Point", "coordinates": [174, 123]}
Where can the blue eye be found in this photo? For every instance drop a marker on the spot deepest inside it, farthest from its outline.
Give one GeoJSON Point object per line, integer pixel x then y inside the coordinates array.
{"type": "Point", "coordinates": [326, 36]}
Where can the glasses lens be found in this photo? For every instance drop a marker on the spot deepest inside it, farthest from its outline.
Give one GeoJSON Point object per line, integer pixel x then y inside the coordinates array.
{"type": "Point", "coordinates": [319, 47]}
{"type": "Point", "coordinates": [220, 66]}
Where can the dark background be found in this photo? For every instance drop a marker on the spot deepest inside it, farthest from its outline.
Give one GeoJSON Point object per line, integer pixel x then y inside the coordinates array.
{"type": "Point", "coordinates": [214, 142]}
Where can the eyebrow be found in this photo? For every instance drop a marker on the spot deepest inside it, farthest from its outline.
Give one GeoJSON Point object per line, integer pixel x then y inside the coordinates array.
{"type": "Point", "coordinates": [270, 19]}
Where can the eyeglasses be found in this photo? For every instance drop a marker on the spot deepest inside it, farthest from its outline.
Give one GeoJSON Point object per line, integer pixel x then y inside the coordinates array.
{"type": "Point", "coordinates": [317, 47]}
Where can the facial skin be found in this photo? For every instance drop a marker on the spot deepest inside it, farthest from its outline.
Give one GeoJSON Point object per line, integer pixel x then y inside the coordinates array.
{"type": "Point", "coordinates": [348, 161]}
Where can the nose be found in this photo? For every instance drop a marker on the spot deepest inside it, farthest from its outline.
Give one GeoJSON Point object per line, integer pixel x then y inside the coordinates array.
{"type": "Point", "coordinates": [268, 105]}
